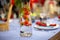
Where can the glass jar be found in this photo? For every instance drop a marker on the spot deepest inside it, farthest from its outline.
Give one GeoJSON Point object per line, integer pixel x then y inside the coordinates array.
{"type": "Point", "coordinates": [25, 22]}
{"type": "Point", "coordinates": [25, 28]}
{"type": "Point", "coordinates": [25, 31]}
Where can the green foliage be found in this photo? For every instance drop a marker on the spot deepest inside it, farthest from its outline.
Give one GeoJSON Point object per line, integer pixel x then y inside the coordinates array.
{"type": "Point", "coordinates": [18, 3]}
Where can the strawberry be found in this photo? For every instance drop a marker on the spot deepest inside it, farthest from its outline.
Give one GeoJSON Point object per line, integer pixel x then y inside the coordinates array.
{"type": "Point", "coordinates": [26, 12]}
{"type": "Point", "coordinates": [26, 22]}
{"type": "Point", "coordinates": [25, 16]}
{"type": "Point", "coordinates": [38, 23]}
{"type": "Point", "coordinates": [29, 24]}
{"type": "Point", "coordinates": [52, 25]}
{"type": "Point", "coordinates": [43, 24]}
{"type": "Point", "coordinates": [25, 9]}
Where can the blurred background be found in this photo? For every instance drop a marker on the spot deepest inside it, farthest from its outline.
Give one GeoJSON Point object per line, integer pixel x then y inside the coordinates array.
{"type": "Point", "coordinates": [35, 6]}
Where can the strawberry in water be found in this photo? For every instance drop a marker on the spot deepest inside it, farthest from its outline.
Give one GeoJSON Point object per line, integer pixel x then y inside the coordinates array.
{"type": "Point", "coordinates": [26, 13]}
{"type": "Point", "coordinates": [25, 16]}
{"type": "Point", "coordinates": [26, 22]}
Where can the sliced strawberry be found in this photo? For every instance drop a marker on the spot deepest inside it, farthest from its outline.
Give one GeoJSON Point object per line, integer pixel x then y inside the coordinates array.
{"type": "Point", "coordinates": [38, 23]}
{"type": "Point", "coordinates": [52, 25]}
{"type": "Point", "coordinates": [41, 24]}
{"type": "Point", "coordinates": [44, 24]}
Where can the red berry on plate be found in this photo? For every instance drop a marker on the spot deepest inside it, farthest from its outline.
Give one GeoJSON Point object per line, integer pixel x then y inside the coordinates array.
{"type": "Point", "coordinates": [43, 24]}
{"type": "Point", "coordinates": [38, 23]}
{"type": "Point", "coordinates": [52, 25]}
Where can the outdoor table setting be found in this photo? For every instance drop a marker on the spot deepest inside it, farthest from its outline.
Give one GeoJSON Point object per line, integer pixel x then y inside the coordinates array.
{"type": "Point", "coordinates": [41, 32]}
{"type": "Point", "coordinates": [41, 24]}
{"type": "Point", "coordinates": [14, 32]}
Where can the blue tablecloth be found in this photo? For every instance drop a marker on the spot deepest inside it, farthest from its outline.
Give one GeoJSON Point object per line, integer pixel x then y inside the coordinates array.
{"type": "Point", "coordinates": [14, 32]}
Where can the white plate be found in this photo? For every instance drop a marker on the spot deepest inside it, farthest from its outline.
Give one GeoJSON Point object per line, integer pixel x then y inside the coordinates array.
{"type": "Point", "coordinates": [48, 27]}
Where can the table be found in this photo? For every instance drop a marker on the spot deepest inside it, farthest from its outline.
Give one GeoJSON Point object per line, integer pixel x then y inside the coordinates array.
{"type": "Point", "coordinates": [14, 32]}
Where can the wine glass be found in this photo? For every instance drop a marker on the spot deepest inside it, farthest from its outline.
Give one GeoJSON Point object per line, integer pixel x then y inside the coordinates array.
{"type": "Point", "coordinates": [43, 17]}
